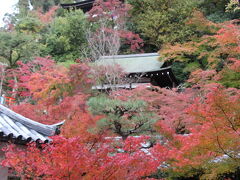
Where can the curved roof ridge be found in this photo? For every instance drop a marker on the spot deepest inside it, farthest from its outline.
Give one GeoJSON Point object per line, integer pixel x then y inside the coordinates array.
{"type": "Point", "coordinates": [48, 130]}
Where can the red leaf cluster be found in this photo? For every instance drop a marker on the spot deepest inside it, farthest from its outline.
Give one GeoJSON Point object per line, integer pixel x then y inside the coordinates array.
{"type": "Point", "coordinates": [74, 159]}
{"type": "Point", "coordinates": [116, 13]}
{"type": "Point", "coordinates": [47, 17]}
{"type": "Point", "coordinates": [18, 78]}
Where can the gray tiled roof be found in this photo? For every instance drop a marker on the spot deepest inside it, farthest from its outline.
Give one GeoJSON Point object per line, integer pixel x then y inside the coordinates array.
{"type": "Point", "coordinates": [134, 63]}
{"type": "Point", "coordinates": [20, 129]}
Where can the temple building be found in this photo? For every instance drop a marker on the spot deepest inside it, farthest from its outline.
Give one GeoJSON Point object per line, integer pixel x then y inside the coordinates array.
{"type": "Point", "coordinates": [140, 69]}
{"type": "Point", "coordinates": [20, 130]}
{"type": "Point", "coordinates": [84, 5]}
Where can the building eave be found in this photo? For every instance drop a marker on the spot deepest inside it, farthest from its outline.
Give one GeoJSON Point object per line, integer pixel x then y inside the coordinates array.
{"type": "Point", "coordinates": [16, 127]}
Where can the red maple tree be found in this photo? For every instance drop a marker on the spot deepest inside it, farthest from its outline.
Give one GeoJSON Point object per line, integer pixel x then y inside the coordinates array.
{"type": "Point", "coordinates": [116, 13]}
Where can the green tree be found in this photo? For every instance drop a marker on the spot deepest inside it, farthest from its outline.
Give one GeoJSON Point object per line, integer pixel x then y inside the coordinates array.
{"type": "Point", "coordinates": [233, 6]}
{"type": "Point", "coordinates": [23, 6]}
{"type": "Point", "coordinates": [67, 39]}
{"type": "Point", "coordinates": [162, 21]}
{"type": "Point", "coordinates": [28, 25]}
{"type": "Point", "coordinates": [45, 5]}
{"type": "Point", "coordinates": [217, 53]}
{"type": "Point", "coordinates": [123, 118]}
{"type": "Point", "coordinates": [219, 10]}
{"type": "Point", "coordinates": [213, 6]}
{"type": "Point", "coordinates": [17, 46]}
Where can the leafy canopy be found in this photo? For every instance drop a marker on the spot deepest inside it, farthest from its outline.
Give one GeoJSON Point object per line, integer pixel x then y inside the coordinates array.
{"type": "Point", "coordinates": [161, 21]}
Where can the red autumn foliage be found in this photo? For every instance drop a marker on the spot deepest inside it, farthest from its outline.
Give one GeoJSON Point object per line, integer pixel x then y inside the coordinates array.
{"type": "Point", "coordinates": [195, 126]}
{"type": "Point", "coordinates": [73, 159]}
{"type": "Point", "coordinates": [18, 78]}
{"type": "Point", "coordinates": [168, 104]}
{"type": "Point", "coordinates": [115, 12]}
{"type": "Point", "coordinates": [90, 154]}
{"type": "Point", "coordinates": [228, 38]}
{"type": "Point", "coordinates": [201, 77]}
{"type": "Point", "coordinates": [215, 130]}
{"type": "Point", "coordinates": [234, 64]}
{"type": "Point", "coordinates": [229, 34]}
{"type": "Point", "coordinates": [47, 17]}
{"type": "Point", "coordinates": [59, 94]}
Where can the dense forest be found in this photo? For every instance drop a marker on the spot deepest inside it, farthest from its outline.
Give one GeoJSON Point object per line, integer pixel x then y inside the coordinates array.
{"type": "Point", "coordinates": [192, 131]}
